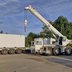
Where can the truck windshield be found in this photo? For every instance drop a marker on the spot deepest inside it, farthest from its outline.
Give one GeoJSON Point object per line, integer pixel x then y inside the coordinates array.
{"type": "Point", "coordinates": [38, 43]}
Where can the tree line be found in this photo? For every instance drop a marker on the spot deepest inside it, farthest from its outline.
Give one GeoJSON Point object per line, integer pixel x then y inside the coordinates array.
{"type": "Point", "coordinates": [2, 32]}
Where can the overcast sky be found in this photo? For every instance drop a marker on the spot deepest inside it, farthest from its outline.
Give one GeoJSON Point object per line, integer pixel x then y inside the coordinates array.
{"type": "Point", "coordinates": [12, 14]}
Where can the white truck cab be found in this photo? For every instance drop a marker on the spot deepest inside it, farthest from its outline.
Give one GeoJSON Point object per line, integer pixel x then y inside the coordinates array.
{"type": "Point", "coordinates": [39, 43]}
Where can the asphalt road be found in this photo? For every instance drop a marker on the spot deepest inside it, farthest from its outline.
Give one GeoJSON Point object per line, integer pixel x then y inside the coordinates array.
{"type": "Point", "coordinates": [30, 63]}
{"type": "Point", "coordinates": [68, 57]}
{"type": "Point", "coordinates": [64, 60]}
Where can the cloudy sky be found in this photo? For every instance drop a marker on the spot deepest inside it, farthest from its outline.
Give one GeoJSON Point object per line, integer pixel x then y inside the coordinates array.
{"type": "Point", "coordinates": [12, 14]}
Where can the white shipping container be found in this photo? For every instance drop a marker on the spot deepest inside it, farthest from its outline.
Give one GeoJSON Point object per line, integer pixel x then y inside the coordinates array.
{"type": "Point", "coordinates": [12, 41]}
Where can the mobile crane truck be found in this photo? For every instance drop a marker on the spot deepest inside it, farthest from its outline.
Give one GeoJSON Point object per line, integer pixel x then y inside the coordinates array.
{"type": "Point", "coordinates": [61, 41]}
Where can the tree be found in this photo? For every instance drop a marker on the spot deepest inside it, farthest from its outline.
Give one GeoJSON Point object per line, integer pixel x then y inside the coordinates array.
{"type": "Point", "coordinates": [30, 37]}
{"type": "Point", "coordinates": [63, 26]}
{"type": "Point", "coordinates": [61, 23]}
{"type": "Point", "coordinates": [69, 31]}
{"type": "Point", "coordinates": [1, 31]}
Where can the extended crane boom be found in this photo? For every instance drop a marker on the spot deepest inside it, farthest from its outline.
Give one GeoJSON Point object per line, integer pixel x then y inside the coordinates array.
{"type": "Point", "coordinates": [41, 18]}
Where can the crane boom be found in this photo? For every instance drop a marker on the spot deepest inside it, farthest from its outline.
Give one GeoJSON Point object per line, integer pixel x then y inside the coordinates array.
{"type": "Point", "coordinates": [45, 22]}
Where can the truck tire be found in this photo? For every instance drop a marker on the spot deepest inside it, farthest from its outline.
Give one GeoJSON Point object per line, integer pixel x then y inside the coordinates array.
{"type": "Point", "coordinates": [48, 53]}
{"type": "Point", "coordinates": [18, 51]}
{"type": "Point", "coordinates": [68, 51]}
{"type": "Point", "coordinates": [11, 51]}
{"type": "Point", "coordinates": [4, 51]}
{"type": "Point", "coordinates": [40, 51]}
{"type": "Point", "coordinates": [56, 51]}
{"type": "Point", "coordinates": [49, 50]}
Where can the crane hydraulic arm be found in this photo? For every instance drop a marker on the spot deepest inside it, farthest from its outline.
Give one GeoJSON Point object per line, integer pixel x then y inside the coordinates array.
{"type": "Point", "coordinates": [45, 22]}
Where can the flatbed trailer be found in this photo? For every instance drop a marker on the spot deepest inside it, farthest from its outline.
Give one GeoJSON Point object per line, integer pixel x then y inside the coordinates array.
{"type": "Point", "coordinates": [11, 44]}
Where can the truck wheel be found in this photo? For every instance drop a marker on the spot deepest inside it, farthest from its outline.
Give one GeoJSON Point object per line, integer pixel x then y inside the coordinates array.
{"type": "Point", "coordinates": [40, 52]}
{"type": "Point", "coordinates": [4, 51]}
{"type": "Point", "coordinates": [56, 51]}
{"type": "Point", "coordinates": [11, 51]}
{"type": "Point", "coordinates": [49, 51]}
{"type": "Point", "coordinates": [68, 51]}
{"type": "Point", "coordinates": [18, 51]}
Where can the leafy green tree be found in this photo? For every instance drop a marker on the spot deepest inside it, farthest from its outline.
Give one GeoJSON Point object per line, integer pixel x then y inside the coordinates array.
{"type": "Point", "coordinates": [69, 31]}
{"type": "Point", "coordinates": [30, 37]}
{"type": "Point", "coordinates": [1, 32]}
{"type": "Point", "coordinates": [63, 26]}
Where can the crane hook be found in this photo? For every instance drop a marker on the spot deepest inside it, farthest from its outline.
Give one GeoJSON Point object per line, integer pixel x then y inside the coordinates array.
{"type": "Point", "coordinates": [25, 24]}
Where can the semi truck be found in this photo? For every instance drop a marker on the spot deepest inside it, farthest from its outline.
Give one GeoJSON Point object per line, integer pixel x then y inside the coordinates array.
{"type": "Point", "coordinates": [10, 43]}
{"type": "Point", "coordinates": [60, 47]}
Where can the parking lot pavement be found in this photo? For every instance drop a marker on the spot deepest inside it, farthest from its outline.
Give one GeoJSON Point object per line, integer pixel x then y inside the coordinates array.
{"type": "Point", "coordinates": [29, 63]}
{"type": "Point", "coordinates": [64, 60]}
{"type": "Point", "coordinates": [67, 57]}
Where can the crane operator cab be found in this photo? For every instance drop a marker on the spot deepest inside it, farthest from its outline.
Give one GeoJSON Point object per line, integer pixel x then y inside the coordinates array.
{"type": "Point", "coordinates": [60, 40]}
{"type": "Point", "coordinates": [58, 48]}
